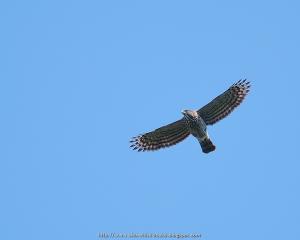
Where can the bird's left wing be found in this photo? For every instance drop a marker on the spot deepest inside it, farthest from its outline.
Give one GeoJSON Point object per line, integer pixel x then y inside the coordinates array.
{"type": "Point", "coordinates": [224, 104]}
{"type": "Point", "coordinates": [162, 137]}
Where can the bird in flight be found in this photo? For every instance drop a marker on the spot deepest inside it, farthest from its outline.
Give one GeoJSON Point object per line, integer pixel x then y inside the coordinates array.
{"type": "Point", "coordinates": [194, 122]}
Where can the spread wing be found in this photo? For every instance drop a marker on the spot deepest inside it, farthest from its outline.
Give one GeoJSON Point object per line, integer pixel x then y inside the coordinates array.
{"type": "Point", "coordinates": [224, 104]}
{"type": "Point", "coordinates": [162, 137]}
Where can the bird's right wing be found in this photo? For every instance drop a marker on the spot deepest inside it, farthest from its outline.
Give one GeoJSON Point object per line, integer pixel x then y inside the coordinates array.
{"type": "Point", "coordinates": [162, 137]}
{"type": "Point", "coordinates": [224, 104]}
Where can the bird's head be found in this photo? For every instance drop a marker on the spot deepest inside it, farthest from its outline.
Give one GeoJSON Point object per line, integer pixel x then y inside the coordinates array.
{"type": "Point", "coordinates": [190, 114]}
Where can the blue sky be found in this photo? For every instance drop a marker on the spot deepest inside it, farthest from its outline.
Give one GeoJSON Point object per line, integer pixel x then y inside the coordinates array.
{"type": "Point", "coordinates": [80, 78]}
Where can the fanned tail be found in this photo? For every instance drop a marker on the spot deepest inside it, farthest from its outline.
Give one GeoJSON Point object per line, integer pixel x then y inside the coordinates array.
{"type": "Point", "coordinates": [207, 145]}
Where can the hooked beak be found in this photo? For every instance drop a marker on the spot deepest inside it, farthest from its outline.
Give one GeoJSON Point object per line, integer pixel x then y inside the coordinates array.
{"type": "Point", "coordinates": [183, 112]}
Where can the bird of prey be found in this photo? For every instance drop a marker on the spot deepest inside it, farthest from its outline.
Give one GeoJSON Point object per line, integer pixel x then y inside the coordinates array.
{"type": "Point", "coordinates": [194, 122]}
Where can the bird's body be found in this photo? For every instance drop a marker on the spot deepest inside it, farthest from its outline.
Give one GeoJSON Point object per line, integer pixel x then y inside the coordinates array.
{"type": "Point", "coordinates": [198, 129]}
{"type": "Point", "coordinates": [194, 122]}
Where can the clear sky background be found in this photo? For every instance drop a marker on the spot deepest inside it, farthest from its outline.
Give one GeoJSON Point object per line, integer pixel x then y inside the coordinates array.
{"type": "Point", "coordinates": [80, 78]}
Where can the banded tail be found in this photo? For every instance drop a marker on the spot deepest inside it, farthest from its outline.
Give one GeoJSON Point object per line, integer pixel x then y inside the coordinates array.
{"type": "Point", "coordinates": [207, 145]}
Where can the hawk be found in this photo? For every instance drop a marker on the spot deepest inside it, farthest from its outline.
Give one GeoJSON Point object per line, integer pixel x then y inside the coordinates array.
{"type": "Point", "coordinates": [194, 122]}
